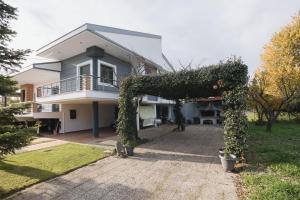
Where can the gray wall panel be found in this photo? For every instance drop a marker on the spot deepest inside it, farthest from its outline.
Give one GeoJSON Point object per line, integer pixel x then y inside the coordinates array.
{"type": "Point", "coordinates": [68, 68]}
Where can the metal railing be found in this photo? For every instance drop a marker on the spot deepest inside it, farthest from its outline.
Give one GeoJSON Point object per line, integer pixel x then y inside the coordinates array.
{"type": "Point", "coordinates": [78, 83]}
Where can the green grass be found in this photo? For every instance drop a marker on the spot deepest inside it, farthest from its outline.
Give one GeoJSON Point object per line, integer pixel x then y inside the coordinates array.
{"type": "Point", "coordinates": [24, 169]}
{"type": "Point", "coordinates": [252, 116]}
{"type": "Point", "coordinates": [274, 158]}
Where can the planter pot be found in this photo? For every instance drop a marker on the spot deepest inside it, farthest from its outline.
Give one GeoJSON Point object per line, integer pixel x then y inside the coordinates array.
{"type": "Point", "coordinates": [221, 151]}
{"type": "Point", "coordinates": [228, 162]}
{"type": "Point", "coordinates": [182, 127]}
{"type": "Point", "coordinates": [129, 150]}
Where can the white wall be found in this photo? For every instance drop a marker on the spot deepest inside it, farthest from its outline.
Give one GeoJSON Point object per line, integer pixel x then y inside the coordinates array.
{"type": "Point", "coordinates": [148, 112]}
{"type": "Point", "coordinates": [84, 116]}
{"type": "Point", "coordinates": [83, 119]}
{"type": "Point", "coordinates": [171, 115]}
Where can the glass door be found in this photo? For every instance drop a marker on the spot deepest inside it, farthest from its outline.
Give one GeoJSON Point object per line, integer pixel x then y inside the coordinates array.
{"type": "Point", "coordinates": [85, 77]}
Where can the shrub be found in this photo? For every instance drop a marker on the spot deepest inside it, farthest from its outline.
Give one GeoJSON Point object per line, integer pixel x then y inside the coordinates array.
{"type": "Point", "coordinates": [12, 135]}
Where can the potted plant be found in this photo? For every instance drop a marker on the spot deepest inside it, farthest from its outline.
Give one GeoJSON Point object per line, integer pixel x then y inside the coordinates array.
{"type": "Point", "coordinates": [228, 161]}
{"type": "Point", "coordinates": [221, 151]}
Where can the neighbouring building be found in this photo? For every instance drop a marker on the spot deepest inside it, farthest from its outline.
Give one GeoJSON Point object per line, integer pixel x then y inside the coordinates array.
{"type": "Point", "coordinates": [203, 111]}
{"type": "Point", "coordinates": [79, 88]}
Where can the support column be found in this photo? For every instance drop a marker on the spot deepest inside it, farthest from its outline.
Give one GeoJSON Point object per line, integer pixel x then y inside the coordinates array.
{"type": "Point", "coordinates": [95, 118]}
{"type": "Point", "coordinates": [155, 122]}
{"type": "Point", "coordinates": [169, 112]}
{"type": "Point", "coordinates": [95, 53]}
{"type": "Point", "coordinates": [95, 73]}
{"type": "Point", "coordinates": [138, 116]}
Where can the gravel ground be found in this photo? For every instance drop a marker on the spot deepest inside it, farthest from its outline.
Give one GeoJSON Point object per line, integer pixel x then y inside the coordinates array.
{"type": "Point", "coordinates": [174, 165]}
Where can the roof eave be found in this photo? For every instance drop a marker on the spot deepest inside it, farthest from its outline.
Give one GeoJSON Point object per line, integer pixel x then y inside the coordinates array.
{"type": "Point", "coordinates": [85, 27]}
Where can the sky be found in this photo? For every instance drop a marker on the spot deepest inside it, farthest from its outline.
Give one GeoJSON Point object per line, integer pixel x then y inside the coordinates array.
{"type": "Point", "coordinates": [200, 32]}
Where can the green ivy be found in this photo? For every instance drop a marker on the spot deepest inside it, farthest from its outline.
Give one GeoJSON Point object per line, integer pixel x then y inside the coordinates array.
{"type": "Point", "coordinates": [228, 79]}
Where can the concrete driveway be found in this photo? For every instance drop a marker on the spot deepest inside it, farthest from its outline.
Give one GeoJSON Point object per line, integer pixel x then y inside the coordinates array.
{"type": "Point", "coordinates": [175, 165]}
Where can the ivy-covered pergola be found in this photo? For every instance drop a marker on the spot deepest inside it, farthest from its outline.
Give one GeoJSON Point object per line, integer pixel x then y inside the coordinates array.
{"type": "Point", "coordinates": [227, 79]}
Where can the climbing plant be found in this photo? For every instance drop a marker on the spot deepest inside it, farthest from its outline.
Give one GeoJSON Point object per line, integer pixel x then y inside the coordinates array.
{"type": "Point", "coordinates": [228, 79]}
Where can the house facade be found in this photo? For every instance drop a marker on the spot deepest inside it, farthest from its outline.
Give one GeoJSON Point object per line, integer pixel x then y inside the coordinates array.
{"type": "Point", "coordinates": [78, 89]}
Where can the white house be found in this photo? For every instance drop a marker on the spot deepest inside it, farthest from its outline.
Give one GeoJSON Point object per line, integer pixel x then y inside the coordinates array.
{"type": "Point", "coordinates": [79, 88]}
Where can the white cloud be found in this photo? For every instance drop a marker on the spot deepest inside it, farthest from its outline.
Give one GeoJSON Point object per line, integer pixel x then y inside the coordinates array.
{"type": "Point", "coordinates": [202, 31]}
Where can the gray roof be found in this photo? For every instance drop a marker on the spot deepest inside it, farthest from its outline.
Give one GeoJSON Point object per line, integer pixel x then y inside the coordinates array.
{"type": "Point", "coordinates": [98, 28]}
{"type": "Point", "coordinates": [95, 27]}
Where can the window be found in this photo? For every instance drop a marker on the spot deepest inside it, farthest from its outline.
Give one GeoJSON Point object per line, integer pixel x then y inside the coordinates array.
{"type": "Point", "coordinates": [84, 72]}
{"type": "Point", "coordinates": [72, 114]}
{"type": "Point", "coordinates": [85, 68]}
{"type": "Point", "coordinates": [55, 107]}
{"type": "Point", "coordinates": [107, 73]}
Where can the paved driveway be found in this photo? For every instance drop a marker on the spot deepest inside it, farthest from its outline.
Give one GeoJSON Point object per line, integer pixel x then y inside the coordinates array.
{"type": "Point", "coordinates": [175, 165]}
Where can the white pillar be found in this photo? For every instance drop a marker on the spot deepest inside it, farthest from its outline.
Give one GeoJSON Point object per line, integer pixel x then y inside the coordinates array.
{"type": "Point", "coordinates": [138, 115]}
{"type": "Point", "coordinates": [62, 125]}
{"type": "Point", "coordinates": [155, 116]}
{"type": "Point", "coordinates": [168, 112]}
{"type": "Point", "coordinates": [155, 111]}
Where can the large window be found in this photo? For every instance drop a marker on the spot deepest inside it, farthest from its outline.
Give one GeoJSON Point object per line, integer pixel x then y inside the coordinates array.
{"type": "Point", "coordinates": [107, 74]}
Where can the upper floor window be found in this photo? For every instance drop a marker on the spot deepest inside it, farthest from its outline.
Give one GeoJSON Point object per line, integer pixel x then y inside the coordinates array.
{"type": "Point", "coordinates": [84, 73]}
{"type": "Point", "coordinates": [85, 68]}
{"type": "Point", "coordinates": [107, 73]}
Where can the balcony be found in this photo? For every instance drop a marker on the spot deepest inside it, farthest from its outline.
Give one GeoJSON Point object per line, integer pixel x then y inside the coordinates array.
{"type": "Point", "coordinates": [85, 87]}
{"type": "Point", "coordinates": [38, 108]}
{"type": "Point", "coordinates": [39, 111]}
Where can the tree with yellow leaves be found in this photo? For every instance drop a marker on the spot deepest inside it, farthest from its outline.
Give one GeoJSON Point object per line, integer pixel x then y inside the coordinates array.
{"type": "Point", "coordinates": [277, 82]}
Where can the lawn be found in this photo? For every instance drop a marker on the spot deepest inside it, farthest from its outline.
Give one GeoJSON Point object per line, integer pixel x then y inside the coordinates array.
{"type": "Point", "coordinates": [24, 169]}
{"type": "Point", "coordinates": [274, 158]}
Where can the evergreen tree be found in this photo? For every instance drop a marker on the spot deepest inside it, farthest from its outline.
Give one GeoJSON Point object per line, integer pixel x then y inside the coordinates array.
{"type": "Point", "coordinates": [12, 135]}
{"type": "Point", "coordinates": [10, 59]}
{"type": "Point", "coordinates": [7, 86]}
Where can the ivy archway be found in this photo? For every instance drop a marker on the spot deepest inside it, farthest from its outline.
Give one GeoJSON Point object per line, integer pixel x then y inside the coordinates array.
{"type": "Point", "coordinates": [228, 79]}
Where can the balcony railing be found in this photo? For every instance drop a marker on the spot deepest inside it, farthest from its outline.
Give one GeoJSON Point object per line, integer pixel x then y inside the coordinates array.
{"type": "Point", "coordinates": [78, 83]}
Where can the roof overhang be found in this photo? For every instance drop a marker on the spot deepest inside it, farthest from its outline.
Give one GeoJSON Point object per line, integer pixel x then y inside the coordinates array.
{"type": "Point", "coordinates": [78, 40]}
{"type": "Point", "coordinates": [35, 75]}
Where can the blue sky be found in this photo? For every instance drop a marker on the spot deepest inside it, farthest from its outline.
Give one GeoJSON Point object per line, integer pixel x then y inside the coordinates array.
{"type": "Point", "coordinates": [197, 31]}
